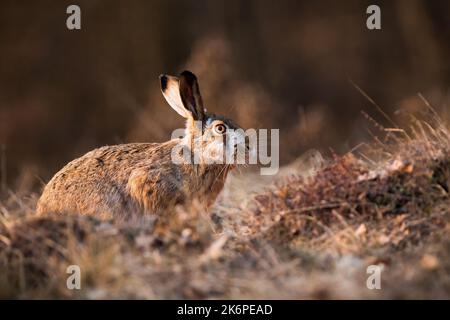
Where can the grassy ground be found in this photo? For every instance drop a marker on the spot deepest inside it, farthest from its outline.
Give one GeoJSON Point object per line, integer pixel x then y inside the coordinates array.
{"type": "Point", "coordinates": [310, 232]}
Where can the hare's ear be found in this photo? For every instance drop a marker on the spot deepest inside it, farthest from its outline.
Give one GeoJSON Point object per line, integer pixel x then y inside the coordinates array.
{"type": "Point", "coordinates": [190, 95]}
{"type": "Point", "coordinates": [171, 91]}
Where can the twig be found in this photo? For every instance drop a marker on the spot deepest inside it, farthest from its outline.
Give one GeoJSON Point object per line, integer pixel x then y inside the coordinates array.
{"type": "Point", "coordinates": [428, 105]}
{"type": "Point", "coordinates": [312, 208]}
{"type": "Point", "coordinates": [373, 103]}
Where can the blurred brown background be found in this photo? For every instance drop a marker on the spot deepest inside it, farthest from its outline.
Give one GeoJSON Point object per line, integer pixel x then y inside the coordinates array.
{"type": "Point", "coordinates": [271, 64]}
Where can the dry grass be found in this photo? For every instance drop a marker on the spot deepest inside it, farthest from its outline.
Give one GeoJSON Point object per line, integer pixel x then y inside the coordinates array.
{"type": "Point", "coordinates": [305, 236]}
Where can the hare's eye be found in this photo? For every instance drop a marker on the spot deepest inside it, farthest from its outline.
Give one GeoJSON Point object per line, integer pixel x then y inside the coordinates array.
{"type": "Point", "coordinates": [220, 128]}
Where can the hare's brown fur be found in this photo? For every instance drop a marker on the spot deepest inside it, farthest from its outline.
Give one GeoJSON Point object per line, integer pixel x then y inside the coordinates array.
{"type": "Point", "coordinates": [140, 178]}
{"type": "Point", "coordinates": [129, 178]}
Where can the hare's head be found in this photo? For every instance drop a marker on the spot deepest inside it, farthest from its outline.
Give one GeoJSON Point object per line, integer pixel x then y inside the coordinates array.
{"type": "Point", "coordinates": [216, 139]}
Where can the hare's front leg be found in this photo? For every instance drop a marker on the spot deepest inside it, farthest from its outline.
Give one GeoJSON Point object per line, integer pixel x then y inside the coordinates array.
{"type": "Point", "coordinates": [155, 190]}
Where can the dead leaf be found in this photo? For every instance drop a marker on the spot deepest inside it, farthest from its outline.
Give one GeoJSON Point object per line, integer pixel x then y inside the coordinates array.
{"type": "Point", "coordinates": [409, 168]}
{"type": "Point", "coordinates": [361, 230]}
{"type": "Point", "coordinates": [215, 250]}
{"type": "Point", "coordinates": [429, 262]}
{"type": "Point", "coordinates": [383, 239]}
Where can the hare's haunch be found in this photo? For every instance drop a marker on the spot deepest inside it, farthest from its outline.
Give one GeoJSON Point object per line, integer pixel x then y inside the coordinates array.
{"type": "Point", "coordinates": [142, 178]}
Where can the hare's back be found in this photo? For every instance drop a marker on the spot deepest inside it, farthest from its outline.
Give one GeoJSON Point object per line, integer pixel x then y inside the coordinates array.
{"type": "Point", "coordinates": [97, 180]}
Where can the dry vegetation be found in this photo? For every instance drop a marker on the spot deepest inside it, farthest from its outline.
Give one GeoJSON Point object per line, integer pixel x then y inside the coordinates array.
{"type": "Point", "coordinates": [311, 234]}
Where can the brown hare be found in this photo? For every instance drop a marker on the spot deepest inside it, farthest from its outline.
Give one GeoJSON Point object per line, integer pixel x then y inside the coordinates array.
{"type": "Point", "coordinates": [141, 178]}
